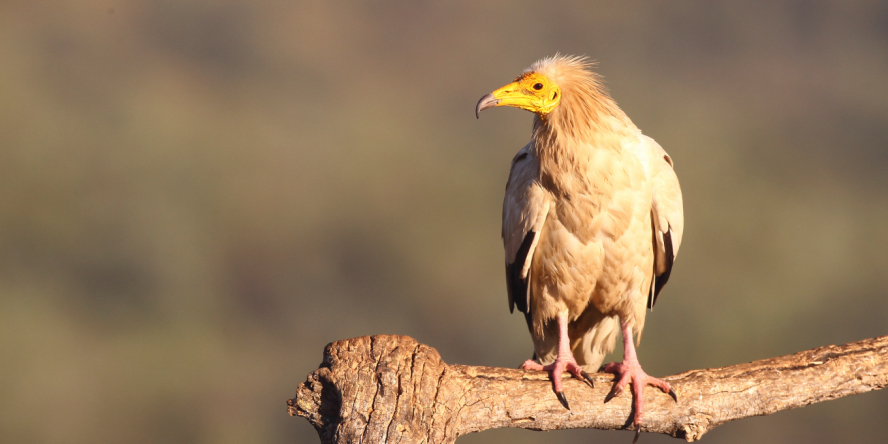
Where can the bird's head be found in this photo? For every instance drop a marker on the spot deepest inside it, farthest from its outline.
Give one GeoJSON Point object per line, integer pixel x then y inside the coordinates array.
{"type": "Point", "coordinates": [532, 91]}
{"type": "Point", "coordinates": [564, 92]}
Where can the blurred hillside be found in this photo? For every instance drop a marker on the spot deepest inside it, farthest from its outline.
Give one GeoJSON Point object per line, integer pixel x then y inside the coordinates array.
{"type": "Point", "coordinates": [197, 196]}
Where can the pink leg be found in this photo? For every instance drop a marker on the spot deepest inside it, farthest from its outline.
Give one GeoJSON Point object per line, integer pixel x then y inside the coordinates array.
{"type": "Point", "coordinates": [564, 362]}
{"type": "Point", "coordinates": [630, 371]}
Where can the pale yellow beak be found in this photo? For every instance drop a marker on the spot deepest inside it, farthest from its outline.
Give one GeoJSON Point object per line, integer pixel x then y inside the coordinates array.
{"type": "Point", "coordinates": [517, 96]}
{"type": "Point", "coordinates": [509, 95]}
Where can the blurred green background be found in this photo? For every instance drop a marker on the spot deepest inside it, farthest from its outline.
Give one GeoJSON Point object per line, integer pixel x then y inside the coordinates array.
{"type": "Point", "coordinates": [197, 196]}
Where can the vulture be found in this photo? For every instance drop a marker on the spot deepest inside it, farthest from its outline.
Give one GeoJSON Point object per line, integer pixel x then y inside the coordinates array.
{"type": "Point", "coordinates": [592, 222]}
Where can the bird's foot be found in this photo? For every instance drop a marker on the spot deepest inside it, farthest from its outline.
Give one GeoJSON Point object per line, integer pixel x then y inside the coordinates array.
{"type": "Point", "coordinates": [555, 370]}
{"type": "Point", "coordinates": [631, 372]}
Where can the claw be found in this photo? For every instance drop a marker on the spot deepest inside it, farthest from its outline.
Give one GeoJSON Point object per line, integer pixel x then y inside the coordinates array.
{"type": "Point", "coordinates": [563, 399]}
{"type": "Point", "coordinates": [587, 378]}
{"type": "Point", "coordinates": [613, 394]}
{"type": "Point", "coordinates": [637, 434]}
{"type": "Point", "coordinates": [673, 395]}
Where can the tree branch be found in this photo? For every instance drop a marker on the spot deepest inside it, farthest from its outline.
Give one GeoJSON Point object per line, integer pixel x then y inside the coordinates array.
{"type": "Point", "coordinates": [393, 389]}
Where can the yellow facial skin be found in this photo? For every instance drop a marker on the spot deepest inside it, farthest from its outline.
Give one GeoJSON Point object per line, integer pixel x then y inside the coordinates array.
{"type": "Point", "coordinates": [531, 91]}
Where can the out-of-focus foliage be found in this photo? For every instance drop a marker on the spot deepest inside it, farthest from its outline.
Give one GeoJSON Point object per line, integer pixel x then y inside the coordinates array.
{"type": "Point", "coordinates": [197, 196]}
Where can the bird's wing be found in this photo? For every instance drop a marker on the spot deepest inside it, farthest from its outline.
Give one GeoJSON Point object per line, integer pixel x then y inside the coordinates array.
{"type": "Point", "coordinates": [667, 216]}
{"type": "Point", "coordinates": [524, 212]}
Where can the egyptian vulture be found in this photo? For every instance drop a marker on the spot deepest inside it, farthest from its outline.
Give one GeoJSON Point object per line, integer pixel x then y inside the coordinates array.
{"type": "Point", "coordinates": [592, 221]}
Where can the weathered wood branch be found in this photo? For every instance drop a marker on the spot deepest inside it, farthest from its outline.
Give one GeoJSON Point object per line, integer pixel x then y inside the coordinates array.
{"type": "Point", "coordinates": [394, 389]}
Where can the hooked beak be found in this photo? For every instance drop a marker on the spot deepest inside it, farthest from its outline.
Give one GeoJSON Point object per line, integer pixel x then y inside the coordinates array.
{"type": "Point", "coordinates": [488, 101]}
{"type": "Point", "coordinates": [512, 95]}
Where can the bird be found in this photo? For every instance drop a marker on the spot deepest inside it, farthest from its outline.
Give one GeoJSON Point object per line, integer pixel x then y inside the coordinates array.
{"type": "Point", "coordinates": [592, 223]}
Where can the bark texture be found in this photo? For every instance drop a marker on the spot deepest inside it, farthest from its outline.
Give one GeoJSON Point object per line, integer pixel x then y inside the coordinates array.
{"type": "Point", "coordinates": [393, 389]}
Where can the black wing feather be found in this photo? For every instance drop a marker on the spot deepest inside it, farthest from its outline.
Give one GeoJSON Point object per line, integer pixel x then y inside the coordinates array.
{"type": "Point", "coordinates": [518, 287]}
{"type": "Point", "coordinates": [663, 278]}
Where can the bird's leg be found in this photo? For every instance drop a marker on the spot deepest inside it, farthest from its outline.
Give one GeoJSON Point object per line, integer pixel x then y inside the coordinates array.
{"type": "Point", "coordinates": [564, 361]}
{"type": "Point", "coordinates": [629, 371]}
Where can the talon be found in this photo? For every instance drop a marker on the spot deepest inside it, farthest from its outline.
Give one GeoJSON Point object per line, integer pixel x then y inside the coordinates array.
{"type": "Point", "coordinates": [563, 399]}
{"type": "Point", "coordinates": [587, 378]}
{"type": "Point", "coordinates": [673, 395]}
{"type": "Point", "coordinates": [613, 394]}
{"type": "Point", "coordinates": [637, 434]}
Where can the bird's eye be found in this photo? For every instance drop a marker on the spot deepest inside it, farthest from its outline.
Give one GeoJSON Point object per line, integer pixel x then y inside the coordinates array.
{"type": "Point", "coordinates": [538, 86]}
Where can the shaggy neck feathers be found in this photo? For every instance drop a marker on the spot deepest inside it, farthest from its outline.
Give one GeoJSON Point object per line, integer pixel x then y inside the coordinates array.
{"type": "Point", "coordinates": [586, 119]}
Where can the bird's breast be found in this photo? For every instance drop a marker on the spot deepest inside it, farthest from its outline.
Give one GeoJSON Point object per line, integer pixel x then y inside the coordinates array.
{"type": "Point", "coordinates": [597, 235]}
